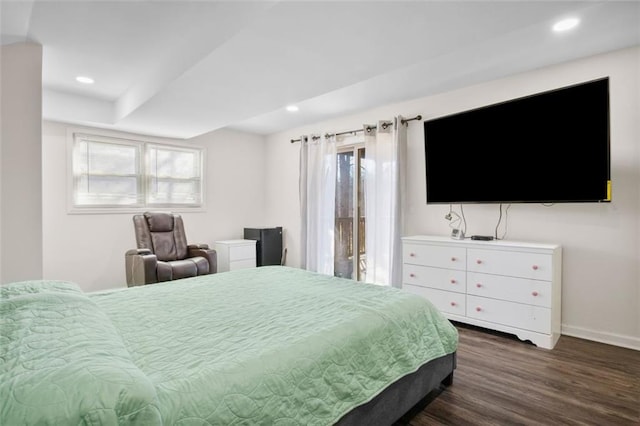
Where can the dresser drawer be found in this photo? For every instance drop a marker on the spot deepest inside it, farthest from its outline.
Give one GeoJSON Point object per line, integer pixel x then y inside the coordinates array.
{"type": "Point", "coordinates": [436, 256]}
{"type": "Point", "coordinates": [242, 264]}
{"type": "Point", "coordinates": [515, 264]}
{"type": "Point", "coordinates": [526, 317]}
{"type": "Point", "coordinates": [521, 290]}
{"type": "Point", "coordinates": [444, 301]}
{"type": "Point", "coordinates": [246, 251]}
{"type": "Point", "coordinates": [438, 278]}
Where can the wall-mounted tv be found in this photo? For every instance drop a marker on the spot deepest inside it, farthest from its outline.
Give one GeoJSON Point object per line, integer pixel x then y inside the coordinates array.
{"type": "Point", "coordinates": [551, 147]}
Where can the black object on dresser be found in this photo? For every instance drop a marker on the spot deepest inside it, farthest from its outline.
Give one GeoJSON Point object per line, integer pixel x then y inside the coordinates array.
{"type": "Point", "coordinates": [268, 244]}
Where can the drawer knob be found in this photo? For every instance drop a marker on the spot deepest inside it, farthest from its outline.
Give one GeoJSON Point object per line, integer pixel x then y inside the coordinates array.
{"type": "Point", "coordinates": [453, 303]}
{"type": "Point", "coordinates": [478, 309]}
{"type": "Point", "coordinates": [412, 255]}
{"type": "Point", "coordinates": [453, 259]}
{"type": "Point", "coordinates": [478, 285]}
{"type": "Point", "coordinates": [534, 294]}
{"type": "Point", "coordinates": [453, 281]}
{"type": "Point", "coordinates": [478, 261]}
{"type": "Point", "coordinates": [412, 275]}
{"type": "Point", "coordinates": [535, 267]}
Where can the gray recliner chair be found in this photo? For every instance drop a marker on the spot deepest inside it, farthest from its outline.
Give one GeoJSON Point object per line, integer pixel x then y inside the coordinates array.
{"type": "Point", "coordinates": [163, 253]}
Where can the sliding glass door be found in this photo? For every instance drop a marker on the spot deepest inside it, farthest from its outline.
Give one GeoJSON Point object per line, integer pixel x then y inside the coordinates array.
{"type": "Point", "coordinates": [350, 260]}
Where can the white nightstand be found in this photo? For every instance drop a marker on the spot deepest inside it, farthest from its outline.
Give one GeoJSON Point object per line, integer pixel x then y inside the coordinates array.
{"type": "Point", "coordinates": [235, 254]}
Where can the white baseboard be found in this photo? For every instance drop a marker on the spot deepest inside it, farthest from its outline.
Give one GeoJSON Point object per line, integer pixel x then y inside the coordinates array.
{"type": "Point", "coordinates": [599, 336]}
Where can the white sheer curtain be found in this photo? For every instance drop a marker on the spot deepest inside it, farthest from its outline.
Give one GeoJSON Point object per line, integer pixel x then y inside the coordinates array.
{"type": "Point", "coordinates": [385, 152]}
{"type": "Point", "coordinates": [317, 202]}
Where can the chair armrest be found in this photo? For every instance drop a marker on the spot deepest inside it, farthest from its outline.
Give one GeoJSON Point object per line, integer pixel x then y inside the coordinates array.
{"type": "Point", "coordinates": [198, 246]}
{"type": "Point", "coordinates": [138, 251]}
{"type": "Point", "coordinates": [141, 267]}
{"type": "Point", "coordinates": [204, 251]}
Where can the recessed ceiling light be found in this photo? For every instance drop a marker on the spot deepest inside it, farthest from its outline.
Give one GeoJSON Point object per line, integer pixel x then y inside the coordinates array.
{"type": "Point", "coordinates": [84, 80]}
{"type": "Point", "coordinates": [292, 108]}
{"type": "Point", "coordinates": [565, 24]}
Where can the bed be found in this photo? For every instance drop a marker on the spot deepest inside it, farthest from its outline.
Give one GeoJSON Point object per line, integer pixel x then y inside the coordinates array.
{"type": "Point", "coordinates": [265, 346]}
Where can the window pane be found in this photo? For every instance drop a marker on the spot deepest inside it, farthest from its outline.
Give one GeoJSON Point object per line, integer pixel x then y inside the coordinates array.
{"type": "Point", "coordinates": [343, 257]}
{"type": "Point", "coordinates": [103, 158]}
{"type": "Point", "coordinates": [174, 192]}
{"type": "Point", "coordinates": [106, 173]}
{"type": "Point", "coordinates": [174, 176]}
{"type": "Point", "coordinates": [105, 190]}
{"type": "Point", "coordinates": [174, 163]}
{"type": "Point", "coordinates": [361, 249]}
{"type": "Point", "coordinates": [349, 235]}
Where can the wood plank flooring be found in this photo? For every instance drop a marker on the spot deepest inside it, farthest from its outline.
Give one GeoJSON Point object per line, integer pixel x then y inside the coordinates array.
{"type": "Point", "coordinates": [500, 380]}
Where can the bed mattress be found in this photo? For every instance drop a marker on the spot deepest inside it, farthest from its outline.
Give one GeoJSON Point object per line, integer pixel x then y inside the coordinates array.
{"type": "Point", "coordinates": [271, 345]}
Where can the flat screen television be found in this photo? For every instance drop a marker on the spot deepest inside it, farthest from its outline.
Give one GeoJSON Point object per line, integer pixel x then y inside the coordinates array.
{"type": "Point", "coordinates": [551, 147]}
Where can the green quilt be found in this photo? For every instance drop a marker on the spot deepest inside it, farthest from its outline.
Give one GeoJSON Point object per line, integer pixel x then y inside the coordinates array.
{"type": "Point", "coordinates": [62, 362]}
{"type": "Point", "coordinates": [263, 346]}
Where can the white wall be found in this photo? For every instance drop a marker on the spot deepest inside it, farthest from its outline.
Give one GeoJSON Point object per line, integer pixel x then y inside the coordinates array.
{"type": "Point", "coordinates": [601, 242]}
{"type": "Point", "coordinates": [88, 249]}
{"type": "Point", "coordinates": [20, 166]}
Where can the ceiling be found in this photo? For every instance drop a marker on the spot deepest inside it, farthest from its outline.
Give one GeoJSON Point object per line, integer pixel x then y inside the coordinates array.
{"type": "Point", "coordinates": [183, 68]}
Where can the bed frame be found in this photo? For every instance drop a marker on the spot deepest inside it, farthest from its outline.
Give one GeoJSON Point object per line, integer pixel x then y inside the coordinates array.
{"type": "Point", "coordinates": [404, 397]}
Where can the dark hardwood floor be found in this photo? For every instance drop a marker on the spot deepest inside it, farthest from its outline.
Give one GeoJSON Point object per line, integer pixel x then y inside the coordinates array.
{"type": "Point", "coordinates": [500, 380]}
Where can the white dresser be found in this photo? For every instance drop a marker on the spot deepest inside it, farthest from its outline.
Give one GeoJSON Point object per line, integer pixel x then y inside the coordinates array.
{"type": "Point", "coordinates": [508, 286]}
{"type": "Point", "coordinates": [235, 254]}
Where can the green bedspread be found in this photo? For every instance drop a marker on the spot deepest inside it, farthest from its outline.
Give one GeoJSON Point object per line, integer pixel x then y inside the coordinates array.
{"type": "Point", "coordinates": [63, 363]}
{"type": "Point", "coordinates": [264, 346]}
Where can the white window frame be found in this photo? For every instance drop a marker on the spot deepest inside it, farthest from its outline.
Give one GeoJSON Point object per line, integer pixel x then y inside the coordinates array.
{"type": "Point", "coordinates": [149, 177]}
{"type": "Point", "coordinates": [143, 168]}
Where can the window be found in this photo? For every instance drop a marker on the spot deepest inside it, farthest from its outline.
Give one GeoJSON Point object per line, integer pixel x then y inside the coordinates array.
{"type": "Point", "coordinates": [174, 176]}
{"type": "Point", "coordinates": [120, 173]}
{"type": "Point", "coordinates": [349, 257]}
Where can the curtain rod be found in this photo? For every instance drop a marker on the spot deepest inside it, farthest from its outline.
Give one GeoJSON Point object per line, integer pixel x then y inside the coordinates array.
{"type": "Point", "coordinates": [353, 132]}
